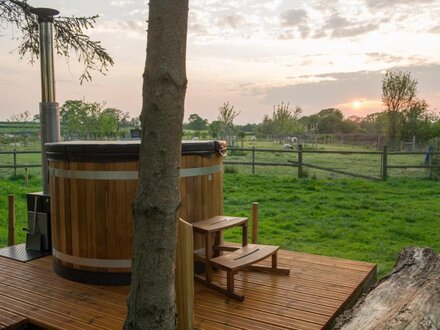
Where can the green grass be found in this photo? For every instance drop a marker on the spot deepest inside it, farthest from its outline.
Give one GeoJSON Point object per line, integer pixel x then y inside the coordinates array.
{"type": "Point", "coordinates": [17, 187]}
{"type": "Point", "coordinates": [347, 218]}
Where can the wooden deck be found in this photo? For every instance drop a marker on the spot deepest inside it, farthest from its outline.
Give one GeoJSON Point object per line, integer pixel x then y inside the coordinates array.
{"type": "Point", "coordinates": [317, 289]}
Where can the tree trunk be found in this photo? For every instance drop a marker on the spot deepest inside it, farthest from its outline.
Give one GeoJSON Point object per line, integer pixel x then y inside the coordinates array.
{"type": "Point", "coordinates": [408, 298]}
{"type": "Point", "coordinates": [151, 303]}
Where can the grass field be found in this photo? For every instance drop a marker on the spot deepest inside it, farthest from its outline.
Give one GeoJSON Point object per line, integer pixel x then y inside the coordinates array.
{"type": "Point", "coordinates": [347, 218]}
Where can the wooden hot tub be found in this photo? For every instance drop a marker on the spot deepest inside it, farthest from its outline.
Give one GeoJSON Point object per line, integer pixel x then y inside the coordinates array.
{"type": "Point", "coordinates": [92, 186]}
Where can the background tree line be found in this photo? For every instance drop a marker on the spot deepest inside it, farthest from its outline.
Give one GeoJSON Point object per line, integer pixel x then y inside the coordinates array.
{"type": "Point", "coordinates": [81, 120]}
{"type": "Point", "coordinates": [92, 120]}
{"type": "Point", "coordinates": [405, 116]}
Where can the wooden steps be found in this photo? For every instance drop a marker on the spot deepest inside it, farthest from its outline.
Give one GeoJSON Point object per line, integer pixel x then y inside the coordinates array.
{"type": "Point", "coordinates": [244, 257]}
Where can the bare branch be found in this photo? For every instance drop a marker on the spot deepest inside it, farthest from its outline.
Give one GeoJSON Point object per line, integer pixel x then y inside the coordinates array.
{"type": "Point", "coordinates": [69, 36]}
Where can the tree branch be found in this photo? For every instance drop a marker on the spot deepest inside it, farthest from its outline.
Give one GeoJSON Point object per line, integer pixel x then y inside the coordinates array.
{"type": "Point", "coordinates": [69, 36]}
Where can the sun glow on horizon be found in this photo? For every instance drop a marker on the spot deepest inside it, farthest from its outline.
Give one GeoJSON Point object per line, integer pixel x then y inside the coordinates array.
{"type": "Point", "coordinates": [357, 104]}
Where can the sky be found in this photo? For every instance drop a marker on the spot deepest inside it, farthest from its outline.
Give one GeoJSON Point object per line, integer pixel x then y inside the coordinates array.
{"type": "Point", "coordinates": [255, 54]}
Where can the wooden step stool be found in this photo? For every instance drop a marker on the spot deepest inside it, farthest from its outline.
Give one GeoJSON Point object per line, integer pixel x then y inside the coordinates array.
{"type": "Point", "coordinates": [245, 258]}
{"type": "Point", "coordinates": [240, 258]}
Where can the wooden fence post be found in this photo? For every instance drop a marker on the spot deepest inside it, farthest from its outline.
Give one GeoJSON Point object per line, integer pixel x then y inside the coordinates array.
{"type": "Point", "coordinates": [300, 161]}
{"type": "Point", "coordinates": [253, 160]}
{"type": "Point", "coordinates": [384, 163]}
{"type": "Point", "coordinates": [11, 220]}
{"type": "Point", "coordinates": [15, 162]}
{"type": "Point", "coordinates": [254, 222]}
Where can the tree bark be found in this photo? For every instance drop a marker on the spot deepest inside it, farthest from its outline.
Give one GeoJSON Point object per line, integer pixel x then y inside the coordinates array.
{"type": "Point", "coordinates": [151, 302]}
{"type": "Point", "coordinates": [408, 298]}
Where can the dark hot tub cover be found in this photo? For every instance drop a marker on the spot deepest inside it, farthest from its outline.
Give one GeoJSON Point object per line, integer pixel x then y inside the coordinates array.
{"type": "Point", "coordinates": [97, 151]}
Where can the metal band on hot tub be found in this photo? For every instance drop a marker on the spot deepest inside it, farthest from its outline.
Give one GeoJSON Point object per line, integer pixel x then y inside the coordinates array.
{"type": "Point", "coordinates": [126, 175]}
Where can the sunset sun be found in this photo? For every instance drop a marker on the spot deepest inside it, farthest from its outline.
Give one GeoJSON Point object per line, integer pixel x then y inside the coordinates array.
{"type": "Point", "coordinates": [357, 104]}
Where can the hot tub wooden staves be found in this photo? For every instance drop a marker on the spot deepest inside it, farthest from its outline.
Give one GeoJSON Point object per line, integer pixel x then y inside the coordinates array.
{"type": "Point", "coordinates": [92, 187]}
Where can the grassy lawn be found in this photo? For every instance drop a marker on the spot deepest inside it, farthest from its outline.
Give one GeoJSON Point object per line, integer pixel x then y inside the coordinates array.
{"type": "Point", "coordinates": [347, 218]}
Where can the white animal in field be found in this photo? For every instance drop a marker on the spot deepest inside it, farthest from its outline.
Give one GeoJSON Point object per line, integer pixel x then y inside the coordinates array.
{"type": "Point", "coordinates": [287, 146]}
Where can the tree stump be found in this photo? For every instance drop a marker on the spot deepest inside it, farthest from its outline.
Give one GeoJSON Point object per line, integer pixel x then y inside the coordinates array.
{"type": "Point", "coordinates": [408, 298]}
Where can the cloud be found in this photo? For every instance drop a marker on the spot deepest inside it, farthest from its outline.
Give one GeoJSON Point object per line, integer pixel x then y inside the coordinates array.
{"type": "Point", "coordinates": [323, 91]}
{"type": "Point", "coordinates": [293, 17]}
{"type": "Point", "coordinates": [379, 4]}
{"type": "Point", "coordinates": [232, 21]}
{"type": "Point", "coordinates": [397, 59]}
{"type": "Point", "coordinates": [120, 3]}
{"type": "Point", "coordinates": [265, 5]}
{"type": "Point", "coordinates": [198, 29]}
{"type": "Point", "coordinates": [294, 20]}
{"type": "Point", "coordinates": [383, 57]}
{"type": "Point", "coordinates": [337, 26]}
{"type": "Point", "coordinates": [435, 29]}
{"type": "Point", "coordinates": [337, 88]}
{"type": "Point", "coordinates": [133, 29]}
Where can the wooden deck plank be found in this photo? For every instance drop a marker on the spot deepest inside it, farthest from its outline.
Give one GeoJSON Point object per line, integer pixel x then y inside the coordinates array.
{"type": "Point", "coordinates": [42, 317]}
{"type": "Point", "coordinates": [323, 260]}
{"type": "Point", "coordinates": [68, 310]}
{"type": "Point", "coordinates": [54, 292]}
{"type": "Point", "coordinates": [44, 276]}
{"type": "Point", "coordinates": [40, 294]}
{"type": "Point", "coordinates": [297, 302]}
{"type": "Point", "coordinates": [331, 285]}
{"type": "Point", "coordinates": [278, 289]}
{"type": "Point", "coordinates": [11, 321]}
{"type": "Point", "coordinates": [299, 267]}
{"type": "Point", "coordinates": [256, 307]}
{"type": "Point", "coordinates": [236, 321]}
{"type": "Point", "coordinates": [317, 288]}
{"type": "Point", "coordinates": [205, 324]}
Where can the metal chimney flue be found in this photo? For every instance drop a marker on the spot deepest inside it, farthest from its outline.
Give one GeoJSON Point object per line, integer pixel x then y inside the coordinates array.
{"type": "Point", "coordinates": [49, 108]}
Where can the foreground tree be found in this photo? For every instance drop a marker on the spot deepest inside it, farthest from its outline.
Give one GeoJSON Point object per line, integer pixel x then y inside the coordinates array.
{"type": "Point", "coordinates": [151, 303]}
